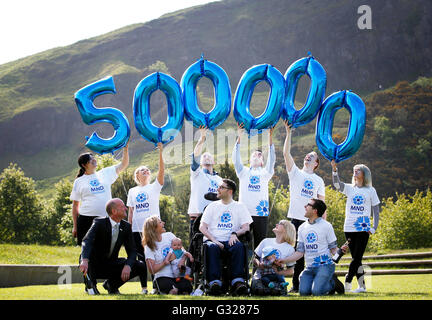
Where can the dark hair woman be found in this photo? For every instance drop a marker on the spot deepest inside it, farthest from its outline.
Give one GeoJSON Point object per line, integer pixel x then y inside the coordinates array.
{"type": "Point", "coordinates": [91, 191]}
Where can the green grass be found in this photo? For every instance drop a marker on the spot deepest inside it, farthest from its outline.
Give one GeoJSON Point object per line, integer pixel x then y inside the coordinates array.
{"type": "Point", "coordinates": [390, 287]}
{"type": "Point", "coordinates": [398, 287]}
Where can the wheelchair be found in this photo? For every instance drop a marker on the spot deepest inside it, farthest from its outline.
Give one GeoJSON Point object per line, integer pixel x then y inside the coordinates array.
{"type": "Point", "coordinates": [198, 249]}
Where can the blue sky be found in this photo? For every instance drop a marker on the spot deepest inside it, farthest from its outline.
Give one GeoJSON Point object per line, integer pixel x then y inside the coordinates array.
{"type": "Point", "coordinates": [28, 27]}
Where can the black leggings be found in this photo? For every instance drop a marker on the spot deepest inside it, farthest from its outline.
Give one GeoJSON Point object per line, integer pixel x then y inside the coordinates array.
{"type": "Point", "coordinates": [83, 225]}
{"type": "Point", "coordinates": [300, 264]}
{"type": "Point", "coordinates": [259, 229]}
{"type": "Point", "coordinates": [141, 257]}
{"type": "Point", "coordinates": [357, 246]}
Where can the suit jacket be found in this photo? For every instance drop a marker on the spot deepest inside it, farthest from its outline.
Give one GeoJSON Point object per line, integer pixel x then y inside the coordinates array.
{"type": "Point", "coordinates": [97, 242]}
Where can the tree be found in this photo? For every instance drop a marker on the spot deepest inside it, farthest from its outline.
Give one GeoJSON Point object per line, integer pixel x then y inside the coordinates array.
{"type": "Point", "coordinates": [20, 207]}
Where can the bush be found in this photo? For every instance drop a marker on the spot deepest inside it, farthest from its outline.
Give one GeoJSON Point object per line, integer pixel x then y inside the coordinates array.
{"type": "Point", "coordinates": [405, 223]}
{"type": "Point", "coordinates": [20, 208]}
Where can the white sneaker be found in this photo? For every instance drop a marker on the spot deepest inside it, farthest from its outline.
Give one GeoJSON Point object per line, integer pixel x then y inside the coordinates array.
{"type": "Point", "coordinates": [348, 287]}
{"type": "Point", "coordinates": [144, 291]}
{"type": "Point", "coordinates": [360, 290]}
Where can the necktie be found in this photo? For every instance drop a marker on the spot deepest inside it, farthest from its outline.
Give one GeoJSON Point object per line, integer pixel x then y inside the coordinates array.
{"type": "Point", "coordinates": [115, 232]}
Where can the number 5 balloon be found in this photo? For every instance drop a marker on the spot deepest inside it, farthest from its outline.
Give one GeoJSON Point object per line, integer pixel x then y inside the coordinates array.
{"type": "Point", "coordinates": [324, 126]}
{"type": "Point", "coordinates": [91, 115]}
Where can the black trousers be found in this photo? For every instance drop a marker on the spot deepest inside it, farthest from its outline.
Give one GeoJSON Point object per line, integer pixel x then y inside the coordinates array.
{"type": "Point", "coordinates": [357, 246]}
{"type": "Point", "coordinates": [258, 229]}
{"type": "Point", "coordinates": [165, 284]}
{"type": "Point", "coordinates": [83, 225]}
{"type": "Point", "coordinates": [141, 257]}
{"type": "Point", "coordinates": [300, 264]}
{"type": "Point", "coordinates": [112, 269]}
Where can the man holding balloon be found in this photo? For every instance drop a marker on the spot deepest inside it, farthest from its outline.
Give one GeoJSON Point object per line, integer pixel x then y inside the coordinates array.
{"type": "Point", "coordinates": [304, 185]}
{"type": "Point", "coordinates": [203, 179]}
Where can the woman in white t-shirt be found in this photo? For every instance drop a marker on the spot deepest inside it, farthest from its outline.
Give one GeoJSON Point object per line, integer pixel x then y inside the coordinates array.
{"type": "Point", "coordinates": [143, 202]}
{"type": "Point", "coordinates": [362, 203]}
{"type": "Point", "coordinates": [92, 190]}
{"type": "Point", "coordinates": [157, 245]}
{"type": "Point", "coordinates": [283, 246]}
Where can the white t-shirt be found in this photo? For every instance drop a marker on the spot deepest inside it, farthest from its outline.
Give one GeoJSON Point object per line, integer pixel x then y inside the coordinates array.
{"type": "Point", "coordinates": [283, 250]}
{"type": "Point", "coordinates": [223, 219]}
{"type": "Point", "coordinates": [145, 202]}
{"type": "Point", "coordinates": [253, 189]}
{"type": "Point", "coordinates": [94, 191]}
{"type": "Point", "coordinates": [358, 207]}
{"type": "Point", "coordinates": [201, 183]}
{"type": "Point", "coordinates": [315, 239]}
{"type": "Point", "coordinates": [303, 186]}
{"type": "Point", "coordinates": [159, 254]}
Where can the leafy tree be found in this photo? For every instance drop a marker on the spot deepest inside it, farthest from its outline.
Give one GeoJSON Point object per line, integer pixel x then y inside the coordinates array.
{"type": "Point", "coordinates": [20, 207]}
{"type": "Point", "coordinates": [405, 223]}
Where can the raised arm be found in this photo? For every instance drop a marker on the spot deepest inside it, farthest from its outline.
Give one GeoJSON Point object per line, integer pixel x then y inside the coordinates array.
{"type": "Point", "coordinates": [289, 161]}
{"type": "Point", "coordinates": [236, 158]}
{"type": "Point", "coordinates": [161, 172]}
{"type": "Point", "coordinates": [199, 146]}
{"type": "Point", "coordinates": [340, 186]}
{"type": "Point", "coordinates": [271, 160]}
{"type": "Point", "coordinates": [125, 160]}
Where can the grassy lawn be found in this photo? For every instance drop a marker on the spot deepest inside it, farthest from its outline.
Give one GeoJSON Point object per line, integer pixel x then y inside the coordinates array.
{"type": "Point", "coordinates": [398, 287]}
{"type": "Point", "coordinates": [386, 287]}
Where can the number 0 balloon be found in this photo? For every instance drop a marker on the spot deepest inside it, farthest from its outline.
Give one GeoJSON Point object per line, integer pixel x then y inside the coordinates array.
{"type": "Point", "coordinates": [141, 108]}
{"type": "Point", "coordinates": [354, 104]}
{"type": "Point", "coordinates": [91, 115]}
{"type": "Point", "coordinates": [318, 78]}
{"type": "Point", "coordinates": [222, 107]}
{"type": "Point", "coordinates": [244, 93]}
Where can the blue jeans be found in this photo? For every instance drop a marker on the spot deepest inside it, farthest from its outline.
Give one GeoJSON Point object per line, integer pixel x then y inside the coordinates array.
{"type": "Point", "coordinates": [317, 281]}
{"type": "Point", "coordinates": [237, 254]}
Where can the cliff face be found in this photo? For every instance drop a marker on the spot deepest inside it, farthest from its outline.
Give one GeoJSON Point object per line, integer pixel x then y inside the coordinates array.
{"type": "Point", "coordinates": [37, 110]}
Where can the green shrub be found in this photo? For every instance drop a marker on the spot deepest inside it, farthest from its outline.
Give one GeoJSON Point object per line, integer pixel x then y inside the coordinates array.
{"type": "Point", "coordinates": [405, 223]}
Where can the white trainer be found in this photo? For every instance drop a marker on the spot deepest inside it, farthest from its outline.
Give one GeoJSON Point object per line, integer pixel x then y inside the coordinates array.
{"type": "Point", "coordinates": [360, 290]}
{"type": "Point", "coordinates": [348, 287]}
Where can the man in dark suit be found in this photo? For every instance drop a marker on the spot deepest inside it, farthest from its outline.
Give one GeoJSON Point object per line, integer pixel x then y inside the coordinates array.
{"type": "Point", "coordinates": [101, 246]}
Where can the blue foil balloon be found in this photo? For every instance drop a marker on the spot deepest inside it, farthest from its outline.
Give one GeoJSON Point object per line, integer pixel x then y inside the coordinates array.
{"type": "Point", "coordinates": [244, 92]}
{"type": "Point", "coordinates": [324, 126]}
{"type": "Point", "coordinates": [141, 108]}
{"type": "Point", "coordinates": [90, 114]}
{"type": "Point", "coordinates": [222, 92]}
{"type": "Point", "coordinates": [318, 78]}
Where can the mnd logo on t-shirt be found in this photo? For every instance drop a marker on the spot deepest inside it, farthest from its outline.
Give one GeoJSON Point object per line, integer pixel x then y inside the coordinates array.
{"type": "Point", "coordinates": [225, 221]}
{"type": "Point", "coordinates": [307, 190]}
{"type": "Point", "coordinates": [96, 187]}
{"type": "Point", "coordinates": [142, 205]}
{"type": "Point", "coordinates": [357, 206]}
{"type": "Point", "coordinates": [165, 251]}
{"type": "Point", "coordinates": [213, 186]}
{"type": "Point", "coordinates": [262, 208]}
{"type": "Point", "coordinates": [254, 183]}
{"type": "Point", "coordinates": [311, 241]}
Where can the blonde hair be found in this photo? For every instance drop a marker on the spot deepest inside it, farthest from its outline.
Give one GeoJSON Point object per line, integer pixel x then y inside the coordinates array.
{"type": "Point", "coordinates": [135, 173]}
{"type": "Point", "coordinates": [290, 232]}
{"type": "Point", "coordinates": [149, 232]}
{"type": "Point", "coordinates": [367, 175]}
